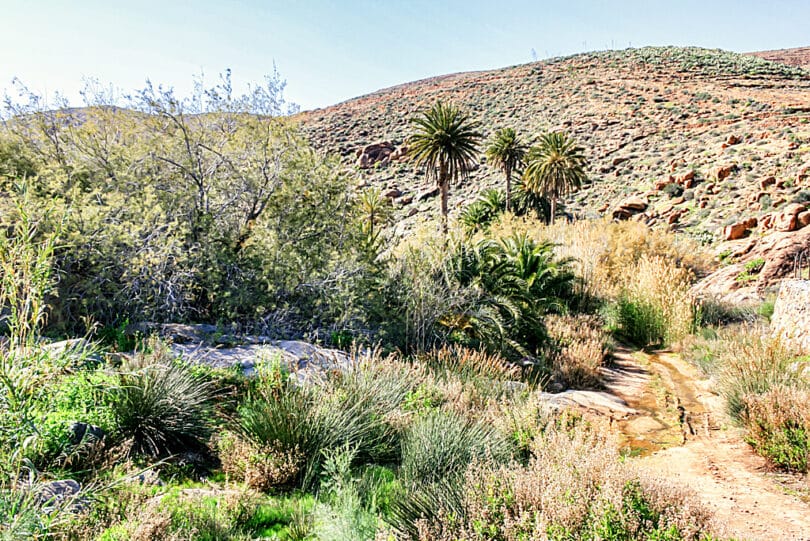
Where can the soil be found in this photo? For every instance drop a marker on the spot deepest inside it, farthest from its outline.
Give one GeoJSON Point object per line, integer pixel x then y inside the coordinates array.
{"type": "Point", "coordinates": [682, 432]}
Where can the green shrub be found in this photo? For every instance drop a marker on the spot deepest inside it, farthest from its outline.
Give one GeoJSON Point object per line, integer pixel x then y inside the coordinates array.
{"type": "Point", "coordinates": [443, 444]}
{"type": "Point", "coordinates": [306, 421]}
{"type": "Point", "coordinates": [778, 426]}
{"type": "Point", "coordinates": [638, 321]}
{"type": "Point", "coordinates": [673, 189]}
{"type": "Point", "coordinates": [162, 408]}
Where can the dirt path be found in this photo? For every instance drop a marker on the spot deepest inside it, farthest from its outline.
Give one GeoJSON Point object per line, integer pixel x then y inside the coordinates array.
{"type": "Point", "coordinates": [682, 433]}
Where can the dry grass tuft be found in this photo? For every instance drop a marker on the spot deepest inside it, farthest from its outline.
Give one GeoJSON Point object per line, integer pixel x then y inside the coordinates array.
{"type": "Point", "coordinates": [582, 346]}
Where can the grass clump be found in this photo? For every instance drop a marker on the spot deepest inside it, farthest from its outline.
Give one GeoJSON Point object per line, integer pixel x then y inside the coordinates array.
{"type": "Point", "coordinates": [161, 406]}
{"type": "Point", "coordinates": [655, 307]}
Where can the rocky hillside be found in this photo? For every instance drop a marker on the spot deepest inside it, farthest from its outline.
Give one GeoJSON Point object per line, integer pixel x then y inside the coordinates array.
{"type": "Point", "coordinates": [691, 139]}
{"type": "Point", "coordinates": [799, 56]}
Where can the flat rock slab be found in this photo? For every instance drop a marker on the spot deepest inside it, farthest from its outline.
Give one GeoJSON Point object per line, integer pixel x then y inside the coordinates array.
{"type": "Point", "coordinates": [597, 401]}
{"type": "Point", "coordinates": [301, 358]}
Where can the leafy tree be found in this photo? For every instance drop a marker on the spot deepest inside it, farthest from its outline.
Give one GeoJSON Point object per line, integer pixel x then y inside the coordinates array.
{"type": "Point", "coordinates": [445, 142]}
{"type": "Point", "coordinates": [555, 167]}
{"type": "Point", "coordinates": [506, 151]}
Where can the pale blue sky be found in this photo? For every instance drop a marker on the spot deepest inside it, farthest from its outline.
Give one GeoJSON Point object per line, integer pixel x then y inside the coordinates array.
{"type": "Point", "coordinates": [330, 51]}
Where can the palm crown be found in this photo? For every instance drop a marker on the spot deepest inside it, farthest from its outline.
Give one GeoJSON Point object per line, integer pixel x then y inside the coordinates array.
{"type": "Point", "coordinates": [555, 167]}
{"type": "Point", "coordinates": [506, 151]}
{"type": "Point", "coordinates": [444, 141]}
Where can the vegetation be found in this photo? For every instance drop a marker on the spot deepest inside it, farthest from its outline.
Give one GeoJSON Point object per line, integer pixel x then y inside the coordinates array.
{"type": "Point", "coordinates": [554, 168]}
{"type": "Point", "coordinates": [506, 151]}
{"type": "Point", "coordinates": [444, 142]}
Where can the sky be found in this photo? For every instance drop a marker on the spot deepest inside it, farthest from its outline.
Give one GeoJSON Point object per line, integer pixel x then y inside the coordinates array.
{"type": "Point", "coordinates": [330, 51]}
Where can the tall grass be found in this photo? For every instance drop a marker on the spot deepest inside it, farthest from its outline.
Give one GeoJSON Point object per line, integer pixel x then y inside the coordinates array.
{"type": "Point", "coordinates": [654, 306]}
{"type": "Point", "coordinates": [162, 406]}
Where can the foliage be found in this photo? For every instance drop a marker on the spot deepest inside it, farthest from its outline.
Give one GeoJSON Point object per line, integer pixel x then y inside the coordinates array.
{"type": "Point", "coordinates": [161, 406]}
{"type": "Point", "coordinates": [778, 425]}
{"type": "Point", "coordinates": [442, 444]}
{"type": "Point", "coordinates": [578, 350]}
{"type": "Point", "coordinates": [554, 168]}
{"type": "Point", "coordinates": [444, 142]}
{"type": "Point", "coordinates": [506, 151]}
{"type": "Point", "coordinates": [655, 308]}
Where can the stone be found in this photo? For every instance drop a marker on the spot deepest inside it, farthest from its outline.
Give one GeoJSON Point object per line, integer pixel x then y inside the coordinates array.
{"type": "Point", "coordinates": [689, 175]}
{"type": "Point", "coordinates": [58, 494]}
{"type": "Point", "coordinates": [794, 209]}
{"type": "Point", "coordinates": [766, 182]}
{"type": "Point", "coordinates": [724, 171]}
{"type": "Point", "coordinates": [400, 154]}
{"type": "Point", "coordinates": [393, 193]}
{"type": "Point", "coordinates": [751, 223]}
{"type": "Point", "coordinates": [786, 222]}
{"type": "Point", "coordinates": [804, 218]}
{"type": "Point", "coordinates": [735, 231]}
{"type": "Point", "coordinates": [84, 433]}
{"type": "Point", "coordinates": [371, 154]}
{"type": "Point", "coordinates": [405, 200]}
{"type": "Point", "coordinates": [733, 140]}
{"type": "Point", "coordinates": [595, 401]}
{"type": "Point", "coordinates": [413, 211]}
{"type": "Point", "coordinates": [427, 194]}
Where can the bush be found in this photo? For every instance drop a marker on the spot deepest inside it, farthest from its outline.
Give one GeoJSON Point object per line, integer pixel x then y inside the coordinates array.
{"type": "Point", "coordinates": [574, 487]}
{"type": "Point", "coordinates": [442, 444]}
{"type": "Point", "coordinates": [579, 349]}
{"type": "Point", "coordinates": [162, 407]}
{"type": "Point", "coordinates": [298, 424]}
{"type": "Point", "coordinates": [655, 307]}
{"type": "Point", "coordinates": [778, 425]}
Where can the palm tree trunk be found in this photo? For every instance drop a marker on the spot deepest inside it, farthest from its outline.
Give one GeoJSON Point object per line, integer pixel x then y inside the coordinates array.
{"type": "Point", "coordinates": [508, 171]}
{"type": "Point", "coordinates": [553, 210]}
{"type": "Point", "coordinates": [445, 189]}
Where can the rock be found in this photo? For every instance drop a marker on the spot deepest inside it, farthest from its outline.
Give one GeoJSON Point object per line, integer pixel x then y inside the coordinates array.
{"type": "Point", "coordinates": [84, 433]}
{"type": "Point", "coordinates": [595, 401]}
{"type": "Point", "coordinates": [751, 223]}
{"type": "Point", "coordinates": [733, 140]}
{"type": "Point", "coordinates": [629, 207]}
{"type": "Point", "coordinates": [76, 350]}
{"type": "Point", "coordinates": [376, 152]}
{"type": "Point", "coordinates": [794, 209]}
{"type": "Point", "coordinates": [393, 193]}
{"type": "Point", "coordinates": [690, 175]}
{"type": "Point", "coordinates": [427, 194]}
{"type": "Point", "coordinates": [413, 211]}
{"type": "Point", "coordinates": [804, 218]}
{"type": "Point", "coordinates": [619, 160]}
{"type": "Point", "coordinates": [404, 200]}
{"type": "Point", "coordinates": [766, 182]}
{"type": "Point", "coordinates": [724, 171]}
{"type": "Point", "coordinates": [304, 360]}
{"type": "Point", "coordinates": [603, 208]}
{"type": "Point", "coordinates": [58, 494]}
{"type": "Point", "coordinates": [766, 221]}
{"type": "Point", "coordinates": [785, 222]}
{"type": "Point", "coordinates": [400, 154]}
{"type": "Point", "coordinates": [735, 231]}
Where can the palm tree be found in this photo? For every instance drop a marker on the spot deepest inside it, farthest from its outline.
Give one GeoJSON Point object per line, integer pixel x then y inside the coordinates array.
{"type": "Point", "coordinates": [445, 143]}
{"type": "Point", "coordinates": [506, 151]}
{"type": "Point", "coordinates": [555, 167]}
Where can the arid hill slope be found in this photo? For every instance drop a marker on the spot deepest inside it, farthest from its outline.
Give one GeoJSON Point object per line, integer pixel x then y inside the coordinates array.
{"type": "Point", "coordinates": [799, 56]}
{"type": "Point", "coordinates": [733, 130]}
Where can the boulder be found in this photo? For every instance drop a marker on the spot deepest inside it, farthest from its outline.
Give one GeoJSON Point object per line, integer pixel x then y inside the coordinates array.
{"type": "Point", "coordinates": [785, 222]}
{"type": "Point", "coordinates": [724, 171]}
{"type": "Point", "coordinates": [686, 177]}
{"type": "Point", "coordinates": [794, 209]}
{"type": "Point", "coordinates": [733, 140]}
{"type": "Point", "coordinates": [766, 182]}
{"type": "Point", "coordinates": [427, 194]}
{"type": "Point", "coordinates": [371, 154]}
{"type": "Point", "coordinates": [804, 218]}
{"type": "Point", "coordinates": [629, 207]}
{"type": "Point", "coordinates": [393, 193]}
{"type": "Point", "coordinates": [735, 231]}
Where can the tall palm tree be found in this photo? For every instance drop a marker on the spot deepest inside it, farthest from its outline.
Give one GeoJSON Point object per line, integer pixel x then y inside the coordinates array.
{"type": "Point", "coordinates": [445, 143]}
{"type": "Point", "coordinates": [555, 167]}
{"type": "Point", "coordinates": [506, 151]}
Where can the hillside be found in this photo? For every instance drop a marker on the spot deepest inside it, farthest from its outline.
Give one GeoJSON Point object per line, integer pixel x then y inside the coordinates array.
{"type": "Point", "coordinates": [800, 56]}
{"type": "Point", "coordinates": [731, 129]}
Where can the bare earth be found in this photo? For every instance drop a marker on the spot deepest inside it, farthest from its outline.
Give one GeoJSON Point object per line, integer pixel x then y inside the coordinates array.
{"type": "Point", "coordinates": [682, 433]}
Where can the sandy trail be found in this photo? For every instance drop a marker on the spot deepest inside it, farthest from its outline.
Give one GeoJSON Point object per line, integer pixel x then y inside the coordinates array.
{"type": "Point", "coordinates": [682, 433]}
